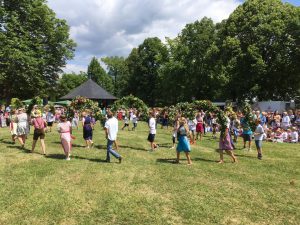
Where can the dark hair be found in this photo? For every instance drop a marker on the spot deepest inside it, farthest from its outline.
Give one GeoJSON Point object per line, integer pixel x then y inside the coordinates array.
{"type": "Point", "coordinates": [63, 118]}
{"type": "Point", "coordinates": [109, 114]}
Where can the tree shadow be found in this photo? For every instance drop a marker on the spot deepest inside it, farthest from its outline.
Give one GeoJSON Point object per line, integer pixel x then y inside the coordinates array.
{"type": "Point", "coordinates": [133, 148]}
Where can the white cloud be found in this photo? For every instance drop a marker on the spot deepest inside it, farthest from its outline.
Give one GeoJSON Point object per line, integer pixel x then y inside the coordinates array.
{"type": "Point", "coordinates": [113, 27]}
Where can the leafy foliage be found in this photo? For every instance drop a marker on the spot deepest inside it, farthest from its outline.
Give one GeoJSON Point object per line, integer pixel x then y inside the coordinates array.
{"type": "Point", "coordinates": [98, 74]}
{"type": "Point", "coordinates": [131, 101]}
{"type": "Point", "coordinates": [34, 45]}
{"type": "Point", "coordinates": [35, 101]}
{"type": "Point", "coordinates": [16, 103]}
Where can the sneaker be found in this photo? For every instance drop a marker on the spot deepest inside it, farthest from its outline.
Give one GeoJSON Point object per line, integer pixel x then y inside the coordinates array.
{"type": "Point", "coordinates": [68, 159]}
{"type": "Point", "coordinates": [92, 145]}
{"type": "Point", "coordinates": [120, 159]}
{"type": "Point", "coordinates": [259, 156]}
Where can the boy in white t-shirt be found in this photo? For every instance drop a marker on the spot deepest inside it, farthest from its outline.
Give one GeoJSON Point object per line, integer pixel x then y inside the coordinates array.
{"type": "Point", "coordinates": [152, 131]}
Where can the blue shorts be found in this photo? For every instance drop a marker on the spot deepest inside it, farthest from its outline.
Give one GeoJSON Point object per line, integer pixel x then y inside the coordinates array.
{"type": "Point", "coordinates": [258, 143]}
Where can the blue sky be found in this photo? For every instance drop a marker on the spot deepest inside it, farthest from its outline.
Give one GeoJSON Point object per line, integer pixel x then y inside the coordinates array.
{"type": "Point", "coordinates": [113, 27]}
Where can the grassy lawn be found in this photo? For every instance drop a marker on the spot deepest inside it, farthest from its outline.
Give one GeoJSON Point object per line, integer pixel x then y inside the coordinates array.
{"type": "Point", "coordinates": [147, 188]}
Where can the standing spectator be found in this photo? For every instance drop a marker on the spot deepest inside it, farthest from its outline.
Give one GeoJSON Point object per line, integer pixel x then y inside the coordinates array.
{"type": "Point", "coordinates": [258, 136]}
{"type": "Point", "coordinates": [152, 131]}
{"type": "Point", "coordinates": [111, 131]}
{"type": "Point", "coordinates": [286, 121]}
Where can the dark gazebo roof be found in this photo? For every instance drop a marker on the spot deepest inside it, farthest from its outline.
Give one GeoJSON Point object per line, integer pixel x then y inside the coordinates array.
{"type": "Point", "coordinates": [91, 90]}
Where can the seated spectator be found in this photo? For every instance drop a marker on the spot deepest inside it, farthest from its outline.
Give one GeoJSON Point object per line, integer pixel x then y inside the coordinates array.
{"type": "Point", "coordinates": [285, 136]}
{"type": "Point", "coordinates": [294, 135]}
{"type": "Point", "coordinates": [278, 136]}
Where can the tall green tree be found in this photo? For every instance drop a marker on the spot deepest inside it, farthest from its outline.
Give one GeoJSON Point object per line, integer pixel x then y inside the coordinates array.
{"type": "Point", "coordinates": [144, 64]}
{"type": "Point", "coordinates": [68, 82]}
{"type": "Point", "coordinates": [34, 46]}
{"type": "Point", "coordinates": [99, 75]}
{"type": "Point", "coordinates": [118, 69]}
{"type": "Point", "coordinates": [261, 51]}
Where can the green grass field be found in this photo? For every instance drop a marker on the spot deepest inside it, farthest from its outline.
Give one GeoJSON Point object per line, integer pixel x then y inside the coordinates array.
{"type": "Point", "coordinates": [147, 188]}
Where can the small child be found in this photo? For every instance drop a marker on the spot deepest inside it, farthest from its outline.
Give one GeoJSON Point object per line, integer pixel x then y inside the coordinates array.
{"type": "Point", "coordinates": [285, 136]}
{"type": "Point", "coordinates": [214, 126]}
{"type": "Point", "coordinates": [192, 127]}
{"type": "Point", "coordinates": [126, 123]}
{"type": "Point", "coordinates": [134, 121]}
{"type": "Point", "coordinates": [294, 135]}
{"type": "Point", "coordinates": [278, 136]}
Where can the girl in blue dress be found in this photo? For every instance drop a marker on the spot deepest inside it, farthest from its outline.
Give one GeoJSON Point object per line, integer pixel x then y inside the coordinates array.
{"type": "Point", "coordinates": [183, 142]}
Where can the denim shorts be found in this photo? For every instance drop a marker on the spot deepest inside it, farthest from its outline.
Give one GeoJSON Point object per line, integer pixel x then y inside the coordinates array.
{"type": "Point", "coordinates": [258, 143]}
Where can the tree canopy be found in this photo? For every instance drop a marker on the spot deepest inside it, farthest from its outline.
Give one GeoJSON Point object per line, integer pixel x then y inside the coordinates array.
{"type": "Point", "coordinates": [34, 46]}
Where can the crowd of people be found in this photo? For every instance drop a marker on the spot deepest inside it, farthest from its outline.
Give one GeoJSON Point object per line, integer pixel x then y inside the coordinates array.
{"type": "Point", "coordinates": [269, 126]}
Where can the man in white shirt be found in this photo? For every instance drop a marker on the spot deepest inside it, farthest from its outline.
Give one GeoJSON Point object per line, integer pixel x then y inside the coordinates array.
{"type": "Point", "coordinates": [111, 131]}
{"type": "Point", "coordinates": [152, 131]}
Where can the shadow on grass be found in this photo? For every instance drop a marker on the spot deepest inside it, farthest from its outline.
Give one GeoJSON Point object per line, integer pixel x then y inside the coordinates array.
{"type": "Point", "coordinates": [204, 160]}
{"type": "Point", "coordinates": [170, 160]}
{"type": "Point", "coordinates": [245, 156]}
{"type": "Point", "coordinates": [7, 142]}
{"type": "Point", "coordinates": [25, 150]}
{"type": "Point", "coordinates": [56, 156]}
{"type": "Point", "coordinates": [133, 148]}
{"type": "Point", "coordinates": [100, 146]}
{"type": "Point", "coordinates": [92, 160]}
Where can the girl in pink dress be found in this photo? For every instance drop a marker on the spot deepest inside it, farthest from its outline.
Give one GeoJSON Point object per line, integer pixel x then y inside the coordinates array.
{"type": "Point", "coordinates": [65, 130]}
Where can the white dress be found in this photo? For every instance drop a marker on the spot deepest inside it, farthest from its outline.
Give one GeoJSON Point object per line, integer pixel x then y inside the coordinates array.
{"type": "Point", "coordinates": [22, 127]}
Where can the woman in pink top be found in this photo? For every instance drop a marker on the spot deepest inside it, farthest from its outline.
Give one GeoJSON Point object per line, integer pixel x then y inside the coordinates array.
{"type": "Point", "coordinates": [39, 131]}
{"type": "Point", "coordinates": [65, 129]}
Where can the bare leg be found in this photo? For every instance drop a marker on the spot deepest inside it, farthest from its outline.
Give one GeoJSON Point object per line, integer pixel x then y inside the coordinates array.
{"type": "Point", "coordinates": [177, 157]}
{"type": "Point", "coordinates": [221, 156]}
{"type": "Point", "coordinates": [43, 146]}
{"type": "Point", "coordinates": [33, 145]}
{"type": "Point", "coordinates": [249, 145]}
{"type": "Point", "coordinates": [21, 141]}
{"type": "Point", "coordinates": [188, 158]}
{"type": "Point", "coordinates": [230, 153]}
